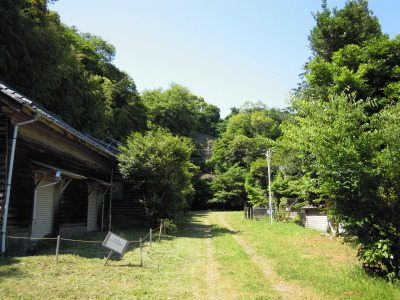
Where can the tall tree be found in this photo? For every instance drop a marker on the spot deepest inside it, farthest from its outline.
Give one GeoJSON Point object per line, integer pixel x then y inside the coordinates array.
{"type": "Point", "coordinates": [31, 48]}
{"type": "Point", "coordinates": [240, 150]}
{"type": "Point", "coordinates": [336, 28]}
{"type": "Point", "coordinates": [370, 71]}
{"type": "Point", "coordinates": [68, 72]}
{"type": "Point", "coordinates": [229, 188]}
{"type": "Point", "coordinates": [353, 157]}
{"type": "Point", "coordinates": [175, 108]}
{"type": "Point", "coordinates": [209, 119]}
{"type": "Point", "coordinates": [343, 111]}
{"type": "Point", "coordinates": [157, 165]}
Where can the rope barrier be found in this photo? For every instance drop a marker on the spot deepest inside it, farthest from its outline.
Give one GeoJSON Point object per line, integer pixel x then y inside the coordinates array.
{"type": "Point", "coordinates": [134, 241]}
{"type": "Point", "coordinates": [59, 238]}
{"type": "Point", "coordinates": [65, 239]}
{"type": "Point", "coordinates": [30, 238]}
{"type": "Point", "coordinates": [156, 229]}
{"type": "Point", "coordinates": [82, 241]}
{"type": "Point", "coordinates": [146, 236]}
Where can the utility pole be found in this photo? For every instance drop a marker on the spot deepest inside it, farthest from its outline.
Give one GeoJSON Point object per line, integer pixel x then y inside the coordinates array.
{"type": "Point", "coordinates": [268, 155]}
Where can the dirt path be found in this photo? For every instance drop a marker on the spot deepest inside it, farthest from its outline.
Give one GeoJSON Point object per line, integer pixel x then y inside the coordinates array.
{"type": "Point", "coordinates": [213, 274]}
{"type": "Point", "coordinates": [286, 289]}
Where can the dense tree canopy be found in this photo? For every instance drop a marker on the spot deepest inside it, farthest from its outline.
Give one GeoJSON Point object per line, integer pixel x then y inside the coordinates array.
{"type": "Point", "coordinates": [353, 160]}
{"type": "Point", "coordinates": [351, 54]}
{"type": "Point", "coordinates": [239, 152]}
{"type": "Point", "coordinates": [157, 165]}
{"type": "Point", "coordinates": [181, 111]}
{"type": "Point", "coordinates": [371, 71]}
{"type": "Point", "coordinates": [344, 131]}
{"type": "Point", "coordinates": [68, 72]}
{"type": "Point", "coordinates": [336, 28]}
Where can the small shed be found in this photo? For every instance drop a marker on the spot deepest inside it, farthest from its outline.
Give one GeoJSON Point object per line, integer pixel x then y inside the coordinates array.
{"type": "Point", "coordinates": [315, 218]}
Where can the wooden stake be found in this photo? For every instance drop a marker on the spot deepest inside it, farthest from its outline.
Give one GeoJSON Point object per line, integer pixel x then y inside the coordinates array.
{"type": "Point", "coordinates": [108, 257]}
{"type": "Point", "coordinates": [151, 237]}
{"type": "Point", "coordinates": [165, 229]}
{"type": "Point", "coordinates": [58, 247]}
{"type": "Point", "coordinates": [159, 234]}
{"type": "Point", "coordinates": [141, 252]}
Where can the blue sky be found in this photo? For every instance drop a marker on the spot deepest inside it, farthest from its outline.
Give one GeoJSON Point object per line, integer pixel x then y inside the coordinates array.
{"type": "Point", "coordinates": [227, 51]}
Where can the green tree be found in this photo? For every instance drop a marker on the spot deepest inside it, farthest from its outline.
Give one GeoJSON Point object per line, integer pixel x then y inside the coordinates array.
{"type": "Point", "coordinates": [352, 55]}
{"type": "Point", "coordinates": [124, 109]}
{"type": "Point", "coordinates": [336, 28]}
{"type": "Point", "coordinates": [157, 166]}
{"type": "Point", "coordinates": [229, 190]}
{"type": "Point", "coordinates": [246, 136]}
{"type": "Point", "coordinates": [371, 71]}
{"type": "Point", "coordinates": [256, 183]}
{"type": "Point", "coordinates": [175, 108]}
{"type": "Point", "coordinates": [354, 157]}
{"type": "Point", "coordinates": [209, 119]}
{"type": "Point", "coordinates": [68, 72]}
{"type": "Point", "coordinates": [31, 50]}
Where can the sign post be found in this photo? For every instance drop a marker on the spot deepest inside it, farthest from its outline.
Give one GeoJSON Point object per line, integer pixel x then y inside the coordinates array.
{"type": "Point", "coordinates": [115, 244]}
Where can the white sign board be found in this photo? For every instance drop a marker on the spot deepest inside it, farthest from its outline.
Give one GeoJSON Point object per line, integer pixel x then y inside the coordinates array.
{"type": "Point", "coordinates": [115, 243]}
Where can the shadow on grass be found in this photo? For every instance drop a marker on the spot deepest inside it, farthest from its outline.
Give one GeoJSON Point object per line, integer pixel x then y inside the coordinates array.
{"type": "Point", "coordinates": [192, 227]}
{"type": "Point", "coordinates": [90, 245]}
{"type": "Point", "coordinates": [85, 246]}
{"type": "Point", "coordinates": [125, 265]}
{"type": "Point", "coordinates": [7, 269]}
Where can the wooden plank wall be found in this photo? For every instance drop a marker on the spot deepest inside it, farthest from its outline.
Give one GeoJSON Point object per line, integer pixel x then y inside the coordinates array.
{"type": "Point", "coordinates": [4, 142]}
{"type": "Point", "coordinates": [74, 203]}
{"type": "Point", "coordinates": [22, 189]}
{"type": "Point", "coordinates": [128, 212]}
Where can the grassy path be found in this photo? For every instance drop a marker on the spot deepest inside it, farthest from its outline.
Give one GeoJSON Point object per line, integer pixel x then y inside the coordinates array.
{"type": "Point", "coordinates": [215, 255]}
{"type": "Point", "coordinates": [285, 289]}
{"type": "Point", "coordinates": [300, 263]}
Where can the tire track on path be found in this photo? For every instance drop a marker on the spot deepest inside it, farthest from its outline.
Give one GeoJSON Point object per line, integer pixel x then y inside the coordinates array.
{"type": "Point", "coordinates": [213, 275]}
{"type": "Point", "coordinates": [288, 290]}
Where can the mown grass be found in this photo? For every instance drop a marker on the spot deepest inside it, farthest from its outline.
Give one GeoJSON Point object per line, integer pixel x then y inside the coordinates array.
{"type": "Point", "coordinates": [193, 266]}
{"type": "Point", "coordinates": [312, 259]}
{"type": "Point", "coordinates": [240, 276]}
{"type": "Point", "coordinates": [172, 269]}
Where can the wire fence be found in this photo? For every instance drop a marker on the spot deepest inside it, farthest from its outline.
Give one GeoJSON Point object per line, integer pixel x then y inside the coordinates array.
{"type": "Point", "coordinates": [161, 230]}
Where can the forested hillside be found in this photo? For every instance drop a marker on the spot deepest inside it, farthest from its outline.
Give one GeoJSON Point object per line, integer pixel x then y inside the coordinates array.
{"type": "Point", "coordinates": [72, 74]}
{"type": "Point", "coordinates": [337, 146]}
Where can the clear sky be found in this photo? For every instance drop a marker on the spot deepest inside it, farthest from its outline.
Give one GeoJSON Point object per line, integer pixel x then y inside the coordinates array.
{"type": "Point", "coordinates": [227, 51]}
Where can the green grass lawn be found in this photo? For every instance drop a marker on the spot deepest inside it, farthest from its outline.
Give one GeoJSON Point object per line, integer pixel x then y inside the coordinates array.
{"type": "Point", "coordinates": [312, 260]}
{"type": "Point", "coordinates": [214, 255]}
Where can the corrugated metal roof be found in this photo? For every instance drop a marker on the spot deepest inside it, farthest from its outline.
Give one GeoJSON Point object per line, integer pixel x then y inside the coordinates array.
{"type": "Point", "coordinates": [55, 119]}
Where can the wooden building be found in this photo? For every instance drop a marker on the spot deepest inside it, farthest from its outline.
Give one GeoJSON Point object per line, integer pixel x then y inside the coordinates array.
{"type": "Point", "coordinates": [315, 218]}
{"type": "Point", "coordinates": [53, 178]}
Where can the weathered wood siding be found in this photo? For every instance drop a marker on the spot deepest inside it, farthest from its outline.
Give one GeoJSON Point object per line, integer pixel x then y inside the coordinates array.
{"type": "Point", "coordinates": [127, 211]}
{"type": "Point", "coordinates": [44, 145]}
{"type": "Point", "coordinates": [22, 188]}
{"type": "Point", "coordinates": [4, 140]}
{"type": "Point", "coordinates": [316, 220]}
{"type": "Point", "coordinates": [74, 203]}
{"type": "Point", "coordinates": [71, 208]}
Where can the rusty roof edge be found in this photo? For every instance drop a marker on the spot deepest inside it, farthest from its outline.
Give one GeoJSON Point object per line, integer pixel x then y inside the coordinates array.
{"type": "Point", "coordinates": [37, 108]}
